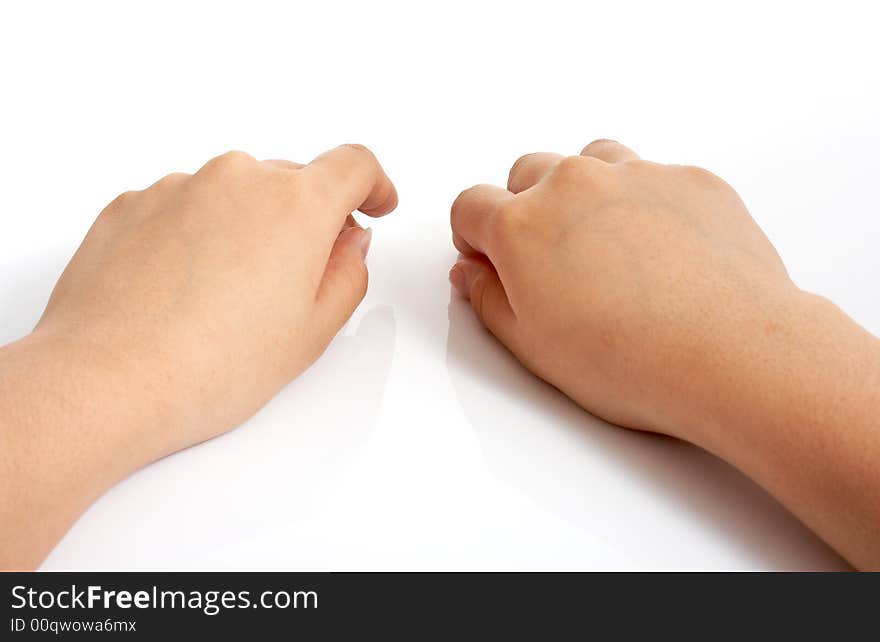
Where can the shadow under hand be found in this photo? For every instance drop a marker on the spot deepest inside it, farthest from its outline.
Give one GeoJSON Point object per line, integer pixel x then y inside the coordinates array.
{"type": "Point", "coordinates": [662, 502]}
{"type": "Point", "coordinates": [257, 483]}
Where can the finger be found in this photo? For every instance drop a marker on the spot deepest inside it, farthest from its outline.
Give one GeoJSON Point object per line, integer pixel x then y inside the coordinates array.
{"type": "Point", "coordinates": [609, 151]}
{"type": "Point", "coordinates": [472, 214]}
{"type": "Point", "coordinates": [351, 176]}
{"type": "Point", "coordinates": [478, 282]}
{"type": "Point", "coordinates": [344, 283]}
{"type": "Point", "coordinates": [283, 164]}
{"type": "Point", "coordinates": [530, 169]}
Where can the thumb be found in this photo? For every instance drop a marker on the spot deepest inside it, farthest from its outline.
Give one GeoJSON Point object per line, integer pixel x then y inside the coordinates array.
{"type": "Point", "coordinates": [344, 283]}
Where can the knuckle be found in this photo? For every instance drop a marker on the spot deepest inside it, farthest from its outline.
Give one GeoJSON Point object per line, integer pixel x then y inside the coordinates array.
{"type": "Point", "coordinates": [598, 143]}
{"type": "Point", "coordinates": [237, 157]}
{"type": "Point", "coordinates": [573, 169]}
{"type": "Point", "coordinates": [460, 204]}
{"type": "Point", "coordinates": [120, 202]}
{"type": "Point", "coordinates": [578, 171]}
{"type": "Point", "coordinates": [357, 147]}
{"type": "Point", "coordinates": [173, 179]}
{"type": "Point", "coordinates": [518, 163]}
{"type": "Point", "coordinates": [229, 162]}
{"type": "Point", "coordinates": [699, 175]}
{"type": "Point", "coordinates": [362, 152]}
{"type": "Point", "coordinates": [123, 199]}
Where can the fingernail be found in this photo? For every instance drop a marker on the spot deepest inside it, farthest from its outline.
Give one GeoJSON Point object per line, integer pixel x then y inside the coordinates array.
{"type": "Point", "coordinates": [366, 239]}
{"type": "Point", "coordinates": [458, 278]}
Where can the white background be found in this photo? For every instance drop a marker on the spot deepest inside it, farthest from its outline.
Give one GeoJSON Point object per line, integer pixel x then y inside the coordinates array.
{"type": "Point", "coordinates": [416, 442]}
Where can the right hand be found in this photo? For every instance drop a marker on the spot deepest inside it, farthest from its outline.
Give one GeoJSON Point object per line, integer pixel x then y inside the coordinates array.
{"type": "Point", "coordinates": [629, 285]}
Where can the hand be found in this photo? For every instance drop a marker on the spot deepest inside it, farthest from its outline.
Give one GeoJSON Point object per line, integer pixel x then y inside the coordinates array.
{"type": "Point", "coordinates": [186, 308]}
{"type": "Point", "coordinates": [648, 295]}
{"type": "Point", "coordinates": [213, 291]}
{"type": "Point", "coordinates": [617, 279]}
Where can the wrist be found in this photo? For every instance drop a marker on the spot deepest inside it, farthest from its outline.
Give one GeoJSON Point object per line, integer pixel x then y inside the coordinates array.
{"type": "Point", "coordinates": [64, 438]}
{"type": "Point", "coordinates": [799, 359]}
{"type": "Point", "coordinates": [795, 412]}
{"type": "Point", "coordinates": [66, 391]}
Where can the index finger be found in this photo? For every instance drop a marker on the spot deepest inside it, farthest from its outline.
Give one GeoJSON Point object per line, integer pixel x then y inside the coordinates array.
{"type": "Point", "coordinates": [473, 215]}
{"type": "Point", "coordinates": [354, 179]}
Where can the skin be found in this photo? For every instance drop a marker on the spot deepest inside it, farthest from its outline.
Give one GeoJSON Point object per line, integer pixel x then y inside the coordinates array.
{"type": "Point", "coordinates": [186, 308]}
{"type": "Point", "coordinates": [649, 295]}
{"type": "Point", "coordinates": [644, 292]}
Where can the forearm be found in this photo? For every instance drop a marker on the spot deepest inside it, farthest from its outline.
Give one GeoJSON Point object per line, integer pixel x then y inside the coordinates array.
{"type": "Point", "coordinates": [66, 436]}
{"type": "Point", "coordinates": [797, 413]}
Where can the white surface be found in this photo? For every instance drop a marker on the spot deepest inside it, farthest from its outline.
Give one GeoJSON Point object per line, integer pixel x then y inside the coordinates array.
{"type": "Point", "coordinates": [416, 442]}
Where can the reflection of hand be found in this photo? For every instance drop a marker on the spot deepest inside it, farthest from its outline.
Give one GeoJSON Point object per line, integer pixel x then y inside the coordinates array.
{"type": "Point", "coordinates": [187, 307]}
{"type": "Point", "coordinates": [648, 294]}
{"type": "Point", "coordinates": [614, 485]}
